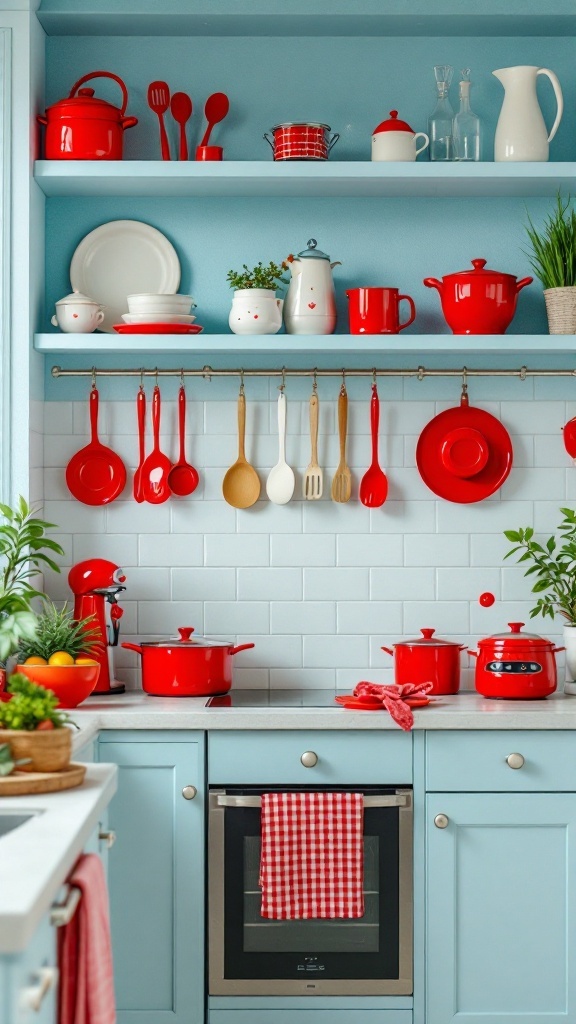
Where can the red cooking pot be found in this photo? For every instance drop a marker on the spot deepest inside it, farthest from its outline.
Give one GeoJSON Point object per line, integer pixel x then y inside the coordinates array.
{"type": "Point", "coordinates": [188, 666]}
{"type": "Point", "coordinates": [428, 659]}
{"type": "Point", "coordinates": [478, 301]}
{"type": "Point", "coordinates": [515, 665]}
{"type": "Point", "coordinates": [83, 127]}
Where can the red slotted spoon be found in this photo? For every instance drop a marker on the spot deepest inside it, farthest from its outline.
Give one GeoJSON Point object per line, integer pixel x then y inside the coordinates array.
{"type": "Point", "coordinates": [182, 478]}
{"type": "Point", "coordinates": [156, 466]}
{"type": "Point", "coordinates": [374, 485]}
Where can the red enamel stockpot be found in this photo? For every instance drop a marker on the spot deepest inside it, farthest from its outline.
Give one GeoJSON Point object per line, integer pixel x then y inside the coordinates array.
{"type": "Point", "coordinates": [301, 140]}
{"type": "Point", "coordinates": [478, 301]}
{"type": "Point", "coordinates": [428, 659]}
{"type": "Point", "coordinates": [186, 666]}
{"type": "Point", "coordinates": [515, 665]}
{"type": "Point", "coordinates": [83, 127]}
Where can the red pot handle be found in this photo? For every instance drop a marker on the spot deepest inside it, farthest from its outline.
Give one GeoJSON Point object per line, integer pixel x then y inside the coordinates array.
{"type": "Point", "coordinates": [103, 74]}
{"type": "Point", "coordinates": [412, 311]}
{"type": "Point", "coordinates": [433, 282]}
{"type": "Point", "coordinates": [241, 647]}
{"type": "Point", "coordinates": [556, 650]}
{"type": "Point", "coordinates": [388, 651]}
{"type": "Point", "coordinates": [462, 647]}
{"type": "Point", "coordinates": [129, 122]}
{"type": "Point", "coordinates": [473, 653]}
{"type": "Point", "coordinates": [41, 119]}
{"type": "Point", "coordinates": [522, 284]}
{"type": "Point", "coordinates": [132, 647]}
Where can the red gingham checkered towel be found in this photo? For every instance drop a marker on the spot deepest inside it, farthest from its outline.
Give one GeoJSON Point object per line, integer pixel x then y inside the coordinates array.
{"type": "Point", "coordinates": [312, 859]}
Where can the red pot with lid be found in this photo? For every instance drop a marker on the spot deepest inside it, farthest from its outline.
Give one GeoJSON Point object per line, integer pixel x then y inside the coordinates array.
{"type": "Point", "coordinates": [186, 666]}
{"type": "Point", "coordinates": [478, 301]}
{"type": "Point", "coordinates": [428, 659]}
{"type": "Point", "coordinates": [301, 140]}
{"type": "Point", "coordinates": [83, 127]}
{"type": "Point", "coordinates": [516, 665]}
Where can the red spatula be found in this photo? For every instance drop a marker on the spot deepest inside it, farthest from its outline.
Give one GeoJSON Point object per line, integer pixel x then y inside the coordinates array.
{"type": "Point", "coordinates": [156, 466]}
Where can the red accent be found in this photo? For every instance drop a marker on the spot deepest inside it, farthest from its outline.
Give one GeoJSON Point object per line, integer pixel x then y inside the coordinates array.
{"type": "Point", "coordinates": [301, 142]}
{"type": "Point", "coordinates": [84, 579]}
{"type": "Point", "coordinates": [397, 700]}
{"type": "Point", "coordinates": [71, 683]}
{"type": "Point", "coordinates": [478, 301]}
{"type": "Point", "coordinates": [209, 152]}
{"type": "Point", "coordinates": [158, 328]}
{"type": "Point", "coordinates": [183, 669]}
{"type": "Point", "coordinates": [487, 599]}
{"type": "Point", "coordinates": [515, 627]}
{"type": "Point", "coordinates": [393, 124]}
{"type": "Point", "coordinates": [83, 127]}
{"type": "Point", "coordinates": [185, 633]}
{"type": "Point", "coordinates": [312, 305]}
{"type": "Point", "coordinates": [427, 660]}
{"type": "Point", "coordinates": [515, 647]}
{"type": "Point", "coordinates": [376, 310]}
{"type": "Point", "coordinates": [95, 475]}
{"type": "Point", "coordinates": [116, 612]}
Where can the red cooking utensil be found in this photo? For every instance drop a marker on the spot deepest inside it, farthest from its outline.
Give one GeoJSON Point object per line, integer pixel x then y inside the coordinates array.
{"type": "Point", "coordinates": [141, 415]}
{"type": "Point", "coordinates": [374, 485]}
{"type": "Point", "coordinates": [159, 101]}
{"type": "Point", "coordinates": [215, 110]}
{"type": "Point", "coordinates": [570, 437]}
{"type": "Point", "coordinates": [181, 110]}
{"type": "Point", "coordinates": [157, 466]}
{"type": "Point", "coordinates": [95, 475]}
{"type": "Point", "coordinates": [182, 478]}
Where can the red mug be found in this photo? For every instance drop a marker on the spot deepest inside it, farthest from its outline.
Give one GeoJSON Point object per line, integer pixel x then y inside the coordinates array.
{"type": "Point", "coordinates": [375, 310]}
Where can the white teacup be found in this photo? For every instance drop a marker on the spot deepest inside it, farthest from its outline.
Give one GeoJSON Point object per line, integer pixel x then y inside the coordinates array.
{"type": "Point", "coordinates": [77, 314]}
{"type": "Point", "coordinates": [397, 145]}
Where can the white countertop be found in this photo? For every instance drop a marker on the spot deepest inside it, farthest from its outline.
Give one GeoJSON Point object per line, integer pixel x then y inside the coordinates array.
{"type": "Point", "coordinates": [36, 858]}
{"type": "Point", "coordinates": [463, 711]}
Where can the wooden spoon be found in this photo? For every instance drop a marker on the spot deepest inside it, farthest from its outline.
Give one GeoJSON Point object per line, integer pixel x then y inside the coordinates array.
{"type": "Point", "coordinates": [342, 482]}
{"type": "Point", "coordinates": [241, 484]}
{"type": "Point", "coordinates": [181, 110]}
{"type": "Point", "coordinates": [182, 478]}
{"type": "Point", "coordinates": [156, 466]}
{"type": "Point", "coordinates": [374, 485]}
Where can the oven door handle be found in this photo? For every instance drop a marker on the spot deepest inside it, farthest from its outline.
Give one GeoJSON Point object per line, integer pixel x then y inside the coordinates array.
{"type": "Point", "coordinates": [388, 800]}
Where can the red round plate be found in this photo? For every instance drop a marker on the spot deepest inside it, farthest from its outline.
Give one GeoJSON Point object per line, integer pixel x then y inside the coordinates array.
{"type": "Point", "coordinates": [158, 328]}
{"type": "Point", "coordinates": [445, 483]}
{"type": "Point", "coordinates": [374, 704]}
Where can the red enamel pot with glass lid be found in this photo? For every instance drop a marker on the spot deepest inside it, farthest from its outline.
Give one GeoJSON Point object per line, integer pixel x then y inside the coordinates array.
{"type": "Point", "coordinates": [83, 127]}
{"type": "Point", "coordinates": [516, 665]}
{"type": "Point", "coordinates": [428, 659]}
{"type": "Point", "coordinates": [186, 666]}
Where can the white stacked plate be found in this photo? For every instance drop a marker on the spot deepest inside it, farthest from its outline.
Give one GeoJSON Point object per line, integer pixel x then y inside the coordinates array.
{"type": "Point", "coordinates": [157, 318]}
{"type": "Point", "coordinates": [157, 306]}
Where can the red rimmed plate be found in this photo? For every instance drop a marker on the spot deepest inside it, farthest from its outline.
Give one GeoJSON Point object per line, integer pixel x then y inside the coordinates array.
{"type": "Point", "coordinates": [158, 328]}
{"type": "Point", "coordinates": [466, 433]}
{"type": "Point", "coordinates": [369, 703]}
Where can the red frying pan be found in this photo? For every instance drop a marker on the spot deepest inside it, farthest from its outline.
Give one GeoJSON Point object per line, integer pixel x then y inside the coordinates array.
{"type": "Point", "coordinates": [95, 475]}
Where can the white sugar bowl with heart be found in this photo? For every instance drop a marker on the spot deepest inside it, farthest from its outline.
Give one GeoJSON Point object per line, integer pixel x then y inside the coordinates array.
{"type": "Point", "coordinates": [395, 140]}
{"type": "Point", "coordinates": [77, 314]}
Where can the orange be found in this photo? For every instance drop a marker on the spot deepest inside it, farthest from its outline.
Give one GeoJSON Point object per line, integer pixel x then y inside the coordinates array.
{"type": "Point", "coordinates": [85, 661]}
{"type": "Point", "coordinates": [60, 658]}
{"type": "Point", "coordinates": [35, 659]}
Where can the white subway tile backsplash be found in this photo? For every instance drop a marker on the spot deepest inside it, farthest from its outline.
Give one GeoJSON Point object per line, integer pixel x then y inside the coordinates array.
{"type": "Point", "coordinates": [487, 549]}
{"type": "Point", "coordinates": [236, 550]}
{"type": "Point", "coordinates": [131, 517]}
{"type": "Point", "coordinates": [271, 651]}
{"type": "Point", "coordinates": [73, 517]}
{"type": "Point", "coordinates": [467, 584]}
{"type": "Point", "coordinates": [533, 417]}
{"type": "Point", "coordinates": [198, 517]}
{"type": "Point", "coordinates": [204, 584]}
{"type": "Point", "coordinates": [530, 483]}
{"type": "Point", "coordinates": [549, 452]}
{"type": "Point", "coordinates": [364, 549]}
{"type": "Point", "coordinates": [302, 679]}
{"type": "Point", "coordinates": [170, 549]}
{"type": "Point", "coordinates": [404, 517]}
{"type": "Point", "coordinates": [483, 517]}
{"type": "Point", "coordinates": [269, 584]}
{"type": "Point", "coordinates": [336, 584]}
{"type": "Point", "coordinates": [361, 617]}
{"type": "Point", "coordinates": [57, 419]}
{"type": "Point", "coordinates": [402, 584]}
{"type": "Point", "coordinates": [446, 617]}
{"type": "Point", "coordinates": [147, 584]}
{"type": "Point", "coordinates": [162, 618]}
{"type": "Point", "coordinates": [251, 678]}
{"type": "Point", "coordinates": [335, 517]}
{"type": "Point", "coordinates": [228, 618]}
{"type": "Point", "coordinates": [335, 651]}
{"type": "Point", "coordinates": [434, 549]}
{"type": "Point", "coordinates": [119, 548]}
{"type": "Point", "coordinates": [302, 617]}
{"type": "Point", "coordinates": [264, 517]}
{"type": "Point", "coordinates": [300, 550]}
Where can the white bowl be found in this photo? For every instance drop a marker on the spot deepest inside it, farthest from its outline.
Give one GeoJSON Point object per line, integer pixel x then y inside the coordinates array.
{"type": "Point", "coordinates": [157, 318]}
{"type": "Point", "coordinates": [148, 303]}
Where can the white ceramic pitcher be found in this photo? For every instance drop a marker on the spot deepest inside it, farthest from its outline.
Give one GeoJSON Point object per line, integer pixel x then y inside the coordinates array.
{"type": "Point", "coordinates": [521, 133]}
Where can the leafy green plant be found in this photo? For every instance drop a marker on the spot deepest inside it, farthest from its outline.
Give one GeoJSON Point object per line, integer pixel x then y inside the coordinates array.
{"type": "Point", "coordinates": [553, 249]}
{"type": "Point", "coordinates": [57, 630]}
{"type": "Point", "coordinates": [23, 547]}
{"type": "Point", "coordinates": [7, 763]}
{"type": "Point", "coordinates": [30, 707]}
{"type": "Point", "coordinates": [553, 566]}
{"type": "Point", "coordinates": [259, 277]}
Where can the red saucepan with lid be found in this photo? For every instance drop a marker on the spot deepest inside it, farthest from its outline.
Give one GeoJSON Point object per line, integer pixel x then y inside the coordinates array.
{"type": "Point", "coordinates": [515, 665]}
{"type": "Point", "coordinates": [186, 666]}
{"type": "Point", "coordinates": [428, 659]}
{"type": "Point", "coordinates": [83, 127]}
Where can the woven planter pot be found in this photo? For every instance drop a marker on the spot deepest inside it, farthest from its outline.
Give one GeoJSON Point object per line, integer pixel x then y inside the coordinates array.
{"type": "Point", "coordinates": [561, 310]}
{"type": "Point", "coordinates": [49, 750]}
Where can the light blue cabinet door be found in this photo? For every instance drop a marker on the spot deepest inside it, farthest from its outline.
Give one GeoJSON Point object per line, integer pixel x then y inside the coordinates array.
{"type": "Point", "coordinates": [28, 984]}
{"type": "Point", "coordinates": [501, 911]}
{"type": "Point", "coordinates": [156, 878]}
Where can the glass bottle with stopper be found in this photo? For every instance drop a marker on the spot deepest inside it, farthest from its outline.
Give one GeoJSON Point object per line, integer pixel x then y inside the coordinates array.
{"type": "Point", "coordinates": [441, 118]}
{"type": "Point", "coordinates": [466, 125]}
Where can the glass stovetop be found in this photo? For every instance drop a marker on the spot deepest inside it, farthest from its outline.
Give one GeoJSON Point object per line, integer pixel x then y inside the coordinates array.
{"type": "Point", "coordinates": [274, 699]}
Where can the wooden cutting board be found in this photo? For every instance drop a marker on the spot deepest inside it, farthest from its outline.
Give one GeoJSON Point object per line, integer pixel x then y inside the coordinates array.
{"type": "Point", "coordinates": [21, 783]}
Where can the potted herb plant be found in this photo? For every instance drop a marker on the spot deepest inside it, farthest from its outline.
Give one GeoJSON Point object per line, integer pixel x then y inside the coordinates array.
{"type": "Point", "coordinates": [255, 308]}
{"type": "Point", "coordinates": [552, 255]}
{"type": "Point", "coordinates": [33, 728]}
{"type": "Point", "coordinates": [553, 566]}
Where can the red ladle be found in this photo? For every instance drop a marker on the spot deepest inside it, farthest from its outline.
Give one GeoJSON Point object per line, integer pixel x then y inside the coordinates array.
{"type": "Point", "coordinates": [374, 485]}
{"type": "Point", "coordinates": [156, 466]}
{"type": "Point", "coordinates": [215, 110]}
{"type": "Point", "coordinates": [182, 478]}
{"type": "Point", "coordinates": [569, 432]}
{"type": "Point", "coordinates": [95, 475]}
{"type": "Point", "coordinates": [141, 414]}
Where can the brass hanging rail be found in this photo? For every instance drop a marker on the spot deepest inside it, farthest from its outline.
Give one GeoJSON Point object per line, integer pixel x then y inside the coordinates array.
{"type": "Point", "coordinates": [207, 372]}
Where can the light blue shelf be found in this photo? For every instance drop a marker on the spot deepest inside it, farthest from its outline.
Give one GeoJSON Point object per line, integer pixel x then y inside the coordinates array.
{"type": "Point", "coordinates": [277, 346]}
{"type": "Point", "coordinates": [329, 179]}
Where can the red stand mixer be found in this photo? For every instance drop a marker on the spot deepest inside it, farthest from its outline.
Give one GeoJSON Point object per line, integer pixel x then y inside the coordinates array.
{"type": "Point", "coordinates": [95, 584]}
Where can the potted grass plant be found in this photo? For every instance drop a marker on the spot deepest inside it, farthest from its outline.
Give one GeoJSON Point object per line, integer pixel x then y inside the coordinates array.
{"type": "Point", "coordinates": [552, 255]}
{"type": "Point", "coordinates": [255, 307]}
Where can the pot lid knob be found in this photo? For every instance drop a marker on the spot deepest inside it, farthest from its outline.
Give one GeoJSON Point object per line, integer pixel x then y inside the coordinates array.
{"type": "Point", "coordinates": [312, 252]}
{"type": "Point", "coordinates": [515, 627]}
{"type": "Point", "coordinates": [479, 265]}
{"type": "Point", "coordinates": [393, 124]}
{"type": "Point", "coordinates": [427, 633]}
{"type": "Point", "coordinates": [185, 633]}
{"type": "Point", "coordinates": [86, 92]}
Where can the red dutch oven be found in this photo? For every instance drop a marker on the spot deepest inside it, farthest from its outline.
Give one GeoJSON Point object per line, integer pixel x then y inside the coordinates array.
{"type": "Point", "coordinates": [188, 666]}
{"type": "Point", "coordinates": [515, 665]}
{"type": "Point", "coordinates": [478, 301]}
{"type": "Point", "coordinates": [428, 659]}
{"type": "Point", "coordinates": [301, 140]}
{"type": "Point", "coordinates": [83, 127]}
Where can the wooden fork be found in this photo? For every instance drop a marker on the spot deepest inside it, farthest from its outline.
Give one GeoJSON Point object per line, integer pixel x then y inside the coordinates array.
{"type": "Point", "coordinates": [342, 482]}
{"type": "Point", "coordinates": [313, 482]}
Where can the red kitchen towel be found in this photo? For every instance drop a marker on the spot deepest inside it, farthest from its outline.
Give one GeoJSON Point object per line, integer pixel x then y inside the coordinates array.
{"type": "Point", "coordinates": [391, 697]}
{"type": "Point", "coordinates": [312, 859]}
{"type": "Point", "coordinates": [86, 993]}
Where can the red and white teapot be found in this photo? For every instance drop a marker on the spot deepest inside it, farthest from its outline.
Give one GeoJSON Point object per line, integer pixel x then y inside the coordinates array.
{"type": "Point", "coordinates": [394, 140]}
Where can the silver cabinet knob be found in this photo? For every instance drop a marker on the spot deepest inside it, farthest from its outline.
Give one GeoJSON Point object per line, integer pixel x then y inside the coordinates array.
{"type": "Point", "coordinates": [515, 761]}
{"type": "Point", "coordinates": [441, 821]}
{"type": "Point", "coordinates": [189, 792]}
{"type": "Point", "coordinates": [108, 837]}
{"type": "Point", "coordinates": [309, 759]}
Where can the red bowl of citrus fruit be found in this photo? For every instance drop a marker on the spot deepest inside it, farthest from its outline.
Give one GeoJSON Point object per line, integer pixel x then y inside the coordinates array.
{"type": "Point", "coordinates": [71, 681]}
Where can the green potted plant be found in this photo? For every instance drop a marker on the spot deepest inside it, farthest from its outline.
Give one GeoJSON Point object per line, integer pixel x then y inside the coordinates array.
{"type": "Point", "coordinates": [553, 566]}
{"type": "Point", "coordinates": [33, 728]}
{"type": "Point", "coordinates": [552, 255]}
{"type": "Point", "coordinates": [255, 308]}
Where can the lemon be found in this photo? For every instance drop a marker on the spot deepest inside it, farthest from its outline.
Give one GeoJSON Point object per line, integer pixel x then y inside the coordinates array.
{"type": "Point", "coordinates": [85, 661]}
{"type": "Point", "coordinates": [60, 658]}
{"type": "Point", "coordinates": [35, 660]}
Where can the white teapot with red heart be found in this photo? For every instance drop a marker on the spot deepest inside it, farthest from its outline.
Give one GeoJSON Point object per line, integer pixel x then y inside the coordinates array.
{"type": "Point", "coordinates": [310, 303]}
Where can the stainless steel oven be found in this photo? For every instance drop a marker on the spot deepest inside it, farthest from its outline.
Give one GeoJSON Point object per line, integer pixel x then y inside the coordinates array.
{"type": "Point", "coordinates": [251, 955]}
